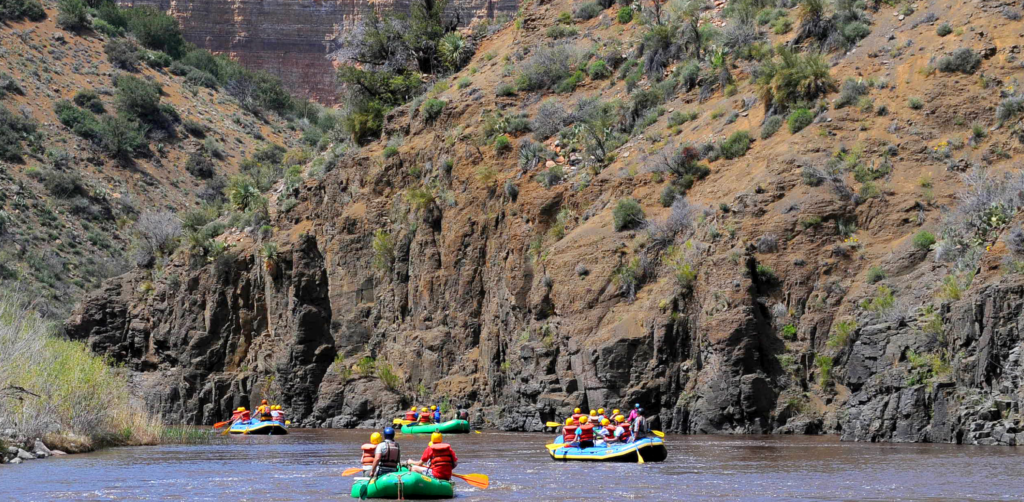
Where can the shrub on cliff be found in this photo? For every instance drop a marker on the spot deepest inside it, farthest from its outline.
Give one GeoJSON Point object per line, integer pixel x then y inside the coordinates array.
{"type": "Point", "coordinates": [13, 129]}
{"type": "Point", "coordinates": [137, 98]}
{"type": "Point", "coordinates": [122, 53]}
{"type": "Point", "coordinates": [121, 137]}
{"type": "Point", "coordinates": [587, 10]}
{"type": "Point", "coordinates": [90, 100]}
{"type": "Point", "coordinates": [72, 15]}
{"type": "Point", "coordinates": [793, 78]}
{"type": "Point", "coordinates": [14, 10]}
{"type": "Point", "coordinates": [963, 60]}
{"type": "Point", "coordinates": [627, 214]}
{"type": "Point", "coordinates": [155, 30]}
{"type": "Point", "coordinates": [64, 394]}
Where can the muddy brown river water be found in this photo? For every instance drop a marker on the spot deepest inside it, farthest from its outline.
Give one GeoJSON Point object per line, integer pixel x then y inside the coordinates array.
{"type": "Point", "coordinates": [307, 465]}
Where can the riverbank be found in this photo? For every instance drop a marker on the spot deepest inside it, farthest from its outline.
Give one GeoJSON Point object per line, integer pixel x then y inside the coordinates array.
{"type": "Point", "coordinates": [55, 395]}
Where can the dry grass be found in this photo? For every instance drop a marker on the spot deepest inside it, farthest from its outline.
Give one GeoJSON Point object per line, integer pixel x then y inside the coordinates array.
{"type": "Point", "coordinates": [56, 389]}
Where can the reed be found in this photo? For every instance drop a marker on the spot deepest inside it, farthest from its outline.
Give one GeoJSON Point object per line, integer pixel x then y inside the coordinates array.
{"type": "Point", "coordinates": [185, 434]}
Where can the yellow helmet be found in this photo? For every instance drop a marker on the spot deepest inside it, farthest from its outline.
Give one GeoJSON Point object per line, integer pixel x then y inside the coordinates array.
{"type": "Point", "coordinates": [577, 410]}
{"type": "Point", "coordinates": [600, 411]}
{"type": "Point", "coordinates": [423, 409]}
{"type": "Point", "coordinates": [605, 421]}
{"type": "Point", "coordinates": [413, 408]}
{"type": "Point", "coordinates": [241, 408]}
{"type": "Point", "coordinates": [375, 438]}
{"type": "Point", "coordinates": [568, 421]}
{"type": "Point", "coordinates": [615, 412]}
{"type": "Point", "coordinates": [278, 406]}
{"type": "Point", "coordinates": [432, 408]}
{"type": "Point", "coordinates": [436, 437]}
{"type": "Point", "coordinates": [620, 418]}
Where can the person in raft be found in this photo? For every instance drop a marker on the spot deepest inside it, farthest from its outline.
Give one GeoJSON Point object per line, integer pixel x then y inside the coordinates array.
{"type": "Point", "coordinates": [608, 433]}
{"type": "Point", "coordinates": [276, 414]}
{"type": "Point", "coordinates": [440, 456]}
{"type": "Point", "coordinates": [639, 426]}
{"type": "Point", "coordinates": [411, 415]}
{"type": "Point", "coordinates": [594, 419]}
{"type": "Point", "coordinates": [622, 429]}
{"type": "Point", "coordinates": [424, 416]}
{"type": "Point", "coordinates": [386, 455]}
{"type": "Point", "coordinates": [600, 415]}
{"type": "Point", "coordinates": [370, 452]}
{"type": "Point", "coordinates": [437, 414]}
{"type": "Point", "coordinates": [576, 415]}
{"type": "Point", "coordinates": [263, 411]}
{"type": "Point", "coordinates": [240, 415]}
{"type": "Point", "coordinates": [633, 413]}
{"type": "Point", "coordinates": [569, 431]}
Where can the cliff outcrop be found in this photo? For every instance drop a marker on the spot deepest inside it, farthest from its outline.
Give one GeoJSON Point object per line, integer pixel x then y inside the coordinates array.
{"type": "Point", "coordinates": [797, 288]}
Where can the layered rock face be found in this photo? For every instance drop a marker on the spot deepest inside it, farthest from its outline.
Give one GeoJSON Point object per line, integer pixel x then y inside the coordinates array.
{"type": "Point", "coordinates": [289, 38]}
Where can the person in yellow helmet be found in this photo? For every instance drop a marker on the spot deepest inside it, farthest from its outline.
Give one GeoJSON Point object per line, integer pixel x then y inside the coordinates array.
{"type": "Point", "coordinates": [594, 419]}
{"type": "Point", "coordinates": [600, 414]}
{"type": "Point", "coordinates": [436, 414]}
{"type": "Point", "coordinates": [424, 416]}
{"type": "Point", "coordinates": [607, 432]}
{"type": "Point", "coordinates": [622, 432]}
{"type": "Point", "coordinates": [370, 452]}
{"type": "Point", "coordinates": [569, 431]}
{"type": "Point", "coordinates": [387, 455]}
{"type": "Point", "coordinates": [440, 456]}
{"type": "Point", "coordinates": [263, 411]}
{"type": "Point", "coordinates": [576, 415]}
{"type": "Point", "coordinates": [240, 415]}
{"type": "Point", "coordinates": [411, 415]}
{"type": "Point", "coordinates": [275, 413]}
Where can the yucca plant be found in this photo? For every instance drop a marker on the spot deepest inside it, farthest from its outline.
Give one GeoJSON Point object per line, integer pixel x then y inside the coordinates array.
{"type": "Point", "coordinates": [453, 50]}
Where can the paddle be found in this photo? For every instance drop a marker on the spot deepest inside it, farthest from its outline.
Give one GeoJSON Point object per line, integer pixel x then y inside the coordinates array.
{"type": "Point", "coordinates": [658, 433]}
{"type": "Point", "coordinates": [553, 424]}
{"type": "Point", "coordinates": [639, 458]}
{"type": "Point", "coordinates": [228, 428]}
{"type": "Point", "coordinates": [554, 446]}
{"type": "Point", "coordinates": [399, 421]}
{"type": "Point", "coordinates": [477, 432]}
{"type": "Point", "coordinates": [478, 480]}
{"type": "Point", "coordinates": [351, 471]}
{"type": "Point", "coordinates": [218, 425]}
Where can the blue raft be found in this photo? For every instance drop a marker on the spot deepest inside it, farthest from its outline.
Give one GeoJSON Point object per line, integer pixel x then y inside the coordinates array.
{"type": "Point", "coordinates": [268, 428]}
{"type": "Point", "coordinates": [652, 449]}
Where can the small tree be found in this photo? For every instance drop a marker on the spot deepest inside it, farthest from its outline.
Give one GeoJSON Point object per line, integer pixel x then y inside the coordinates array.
{"type": "Point", "coordinates": [72, 15]}
{"type": "Point", "coordinates": [137, 98]}
{"type": "Point", "coordinates": [627, 215]}
{"type": "Point", "coordinates": [121, 136]}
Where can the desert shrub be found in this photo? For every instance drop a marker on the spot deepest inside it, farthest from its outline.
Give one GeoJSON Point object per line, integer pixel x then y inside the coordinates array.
{"type": "Point", "coordinates": [792, 78]}
{"type": "Point", "coordinates": [1015, 241]}
{"type": "Point", "coordinates": [1010, 108]}
{"type": "Point", "coordinates": [551, 177]}
{"type": "Point", "coordinates": [454, 50]}
{"type": "Point", "coordinates": [569, 83]}
{"type": "Point", "coordinates": [771, 126]}
{"type": "Point", "coordinates": [875, 274]}
{"type": "Point", "coordinates": [90, 100]}
{"type": "Point", "coordinates": [432, 108]}
{"type": "Point", "coordinates": [551, 117]}
{"type": "Point", "coordinates": [1011, 14]}
{"type": "Point", "coordinates": [598, 70]}
{"type": "Point", "coordinates": [81, 122]}
{"type": "Point", "coordinates": [531, 154]}
{"type": "Point", "coordinates": [137, 98]}
{"type": "Point", "coordinates": [72, 15]}
{"type": "Point", "coordinates": [851, 91]}
{"type": "Point", "coordinates": [587, 10]}
{"type": "Point", "coordinates": [19, 9]}
{"type": "Point", "coordinates": [463, 82]}
{"type": "Point", "coordinates": [963, 60]}
{"type": "Point", "coordinates": [8, 85]}
{"type": "Point", "coordinates": [155, 30]}
{"type": "Point", "coordinates": [548, 66]}
{"type": "Point", "coordinates": [200, 78]}
{"type": "Point", "coordinates": [156, 59]}
{"type": "Point", "coordinates": [199, 165]}
{"type": "Point", "coordinates": [915, 103]}
{"type": "Point", "coordinates": [502, 144]}
{"type": "Point", "coordinates": [180, 69]}
{"type": "Point", "coordinates": [799, 119]}
{"type": "Point", "coordinates": [768, 243]}
{"type": "Point", "coordinates": [943, 30]}
{"type": "Point", "coordinates": [685, 164]}
{"type": "Point", "coordinates": [13, 129]}
{"type": "Point", "coordinates": [121, 136]}
{"type": "Point", "coordinates": [627, 214]}
{"type": "Point", "coordinates": [781, 26]}
{"type": "Point", "coordinates": [62, 184]}
{"type": "Point", "coordinates": [194, 128]}
{"type": "Point", "coordinates": [789, 332]}
{"type": "Point", "coordinates": [736, 145]}
{"type": "Point", "coordinates": [383, 250]}
{"type": "Point", "coordinates": [924, 240]}
{"type": "Point", "coordinates": [505, 89]}
{"type": "Point", "coordinates": [390, 151]}
{"type": "Point", "coordinates": [559, 31]}
{"type": "Point", "coordinates": [625, 15]}
{"type": "Point", "coordinates": [122, 53]}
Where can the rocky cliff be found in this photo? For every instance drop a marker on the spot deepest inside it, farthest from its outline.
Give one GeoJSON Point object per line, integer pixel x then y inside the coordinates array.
{"type": "Point", "coordinates": [770, 300]}
{"type": "Point", "coordinates": [292, 39]}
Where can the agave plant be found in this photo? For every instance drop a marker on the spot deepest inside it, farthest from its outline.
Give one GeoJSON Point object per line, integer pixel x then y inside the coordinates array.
{"type": "Point", "coordinates": [453, 50]}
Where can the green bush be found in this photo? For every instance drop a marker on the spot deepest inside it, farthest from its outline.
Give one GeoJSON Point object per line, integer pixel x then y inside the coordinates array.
{"type": "Point", "coordinates": [502, 144]}
{"type": "Point", "coordinates": [180, 69]}
{"type": "Point", "coordinates": [551, 177]}
{"type": "Point", "coordinates": [559, 31]}
{"type": "Point", "coordinates": [875, 274]}
{"type": "Point", "coordinates": [587, 10]}
{"type": "Point", "coordinates": [122, 53]}
{"type": "Point", "coordinates": [390, 151]}
{"type": "Point", "coordinates": [200, 78]}
{"type": "Point", "coordinates": [81, 122]}
{"type": "Point", "coordinates": [505, 89]}
{"type": "Point", "coordinates": [771, 126]}
{"type": "Point", "coordinates": [90, 100]}
{"type": "Point", "coordinates": [792, 78]}
{"type": "Point", "coordinates": [432, 108]}
{"type": "Point", "coordinates": [199, 165]}
{"type": "Point", "coordinates": [463, 82]}
{"type": "Point", "coordinates": [569, 84]}
{"type": "Point", "coordinates": [736, 145]}
{"type": "Point", "coordinates": [789, 332]}
{"type": "Point", "coordinates": [72, 15]}
{"type": "Point", "coordinates": [155, 30]}
{"type": "Point", "coordinates": [156, 59]}
{"type": "Point", "coordinates": [855, 31]}
{"type": "Point", "coordinates": [627, 214]}
{"type": "Point", "coordinates": [799, 119]}
{"type": "Point", "coordinates": [781, 26]}
{"type": "Point", "coordinates": [625, 15]}
{"type": "Point", "coordinates": [915, 103]}
{"type": "Point", "coordinates": [14, 10]}
{"type": "Point", "coordinates": [924, 240]}
{"type": "Point", "coordinates": [943, 30]}
{"type": "Point", "coordinates": [137, 98]}
{"type": "Point", "coordinates": [13, 129]}
{"type": "Point", "coordinates": [598, 70]}
{"type": "Point", "coordinates": [548, 66]}
{"type": "Point", "coordinates": [962, 60]}
{"type": "Point", "coordinates": [121, 136]}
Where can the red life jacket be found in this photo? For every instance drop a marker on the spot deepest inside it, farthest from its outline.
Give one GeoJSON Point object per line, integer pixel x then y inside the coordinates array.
{"type": "Point", "coordinates": [609, 431]}
{"type": "Point", "coordinates": [369, 452]}
{"type": "Point", "coordinates": [586, 432]}
{"type": "Point", "coordinates": [442, 462]}
{"type": "Point", "coordinates": [625, 431]}
{"type": "Point", "coordinates": [424, 418]}
{"type": "Point", "coordinates": [569, 435]}
{"type": "Point", "coordinates": [410, 416]}
{"type": "Point", "coordinates": [576, 417]}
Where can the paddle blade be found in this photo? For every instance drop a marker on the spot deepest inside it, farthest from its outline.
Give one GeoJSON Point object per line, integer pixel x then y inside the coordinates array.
{"type": "Point", "coordinates": [477, 432]}
{"type": "Point", "coordinates": [658, 433]}
{"type": "Point", "coordinates": [351, 471]}
{"type": "Point", "coordinates": [478, 480]}
{"type": "Point", "coordinates": [554, 446]}
{"type": "Point", "coordinates": [553, 424]}
{"type": "Point", "coordinates": [639, 458]}
{"type": "Point", "coordinates": [218, 425]}
{"type": "Point", "coordinates": [226, 430]}
{"type": "Point", "coordinates": [397, 421]}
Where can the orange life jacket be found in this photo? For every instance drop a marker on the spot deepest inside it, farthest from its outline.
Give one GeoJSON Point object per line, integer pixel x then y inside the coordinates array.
{"type": "Point", "coordinates": [442, 461]}
{"type": "Point", "coordinates": [369, 451]}
{"type": "Point", "coordinates": [609, 431]}
{"type": "Point", "coordinates": [569, 435]}
{"type": "Point", "coordinates": [424, 418]}
{"type": "Point", "coordinates": [586, 432]}
{"type": "Point", "coordinates": [576, 417]}
{"type": "Point", "coordinates": [410, 416]}
{"type": "Point", "coordinates": [625, 431]}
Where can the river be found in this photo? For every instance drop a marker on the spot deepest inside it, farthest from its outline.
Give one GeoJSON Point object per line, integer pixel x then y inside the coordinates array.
{"type": "Point", "coordinates": [307, 465]}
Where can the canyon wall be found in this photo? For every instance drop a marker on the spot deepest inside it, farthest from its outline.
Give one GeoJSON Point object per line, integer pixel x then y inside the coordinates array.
{"type": "Point", "coordinates": [292, 39]}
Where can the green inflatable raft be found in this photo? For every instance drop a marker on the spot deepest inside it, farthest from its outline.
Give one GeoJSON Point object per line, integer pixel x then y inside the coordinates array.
{"type": "Point", "coordinates": [408, 484]}
{"type": "Point", "coordinates": [449, 427]}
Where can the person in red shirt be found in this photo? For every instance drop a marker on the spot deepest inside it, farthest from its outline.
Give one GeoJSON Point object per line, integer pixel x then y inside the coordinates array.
{"type": "Point", "coordinates": [441, 457]}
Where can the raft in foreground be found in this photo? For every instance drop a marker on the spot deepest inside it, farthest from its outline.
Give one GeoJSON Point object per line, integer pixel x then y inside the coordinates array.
{"type": "Point", "coordinates": [449, 427]}
{"type": "Point", "coordinates": [269, 428]}
{"type": "Point", "coordinates": [413, 486]}
{"type": "Point", "coordinates": [652, 449]}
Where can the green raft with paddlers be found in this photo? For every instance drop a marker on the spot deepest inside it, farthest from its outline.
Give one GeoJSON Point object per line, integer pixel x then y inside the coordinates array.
{"type": "Point", "coordinates": [449, 427]}
{"type": "Point", "coordinates": [403, 484]}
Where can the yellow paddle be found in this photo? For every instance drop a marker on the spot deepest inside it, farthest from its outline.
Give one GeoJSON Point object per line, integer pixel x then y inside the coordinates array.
{"type": "Point", "coordinates": [639, 458]}
{"type": "Point", "coordinates": [478, 432]}
{"type": "Point", "coordinates": [554, 446]}
{"type": "Point", "coordinates": [399, 421]}
{"type": "Point", "coordinates": [553, 424]}
{"type": "Point", "coordinates": [351, 471]}
{"type": "Point", "coordinates": [228, 428]}
{"type": "Point", "coordinates": [658, 433]}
